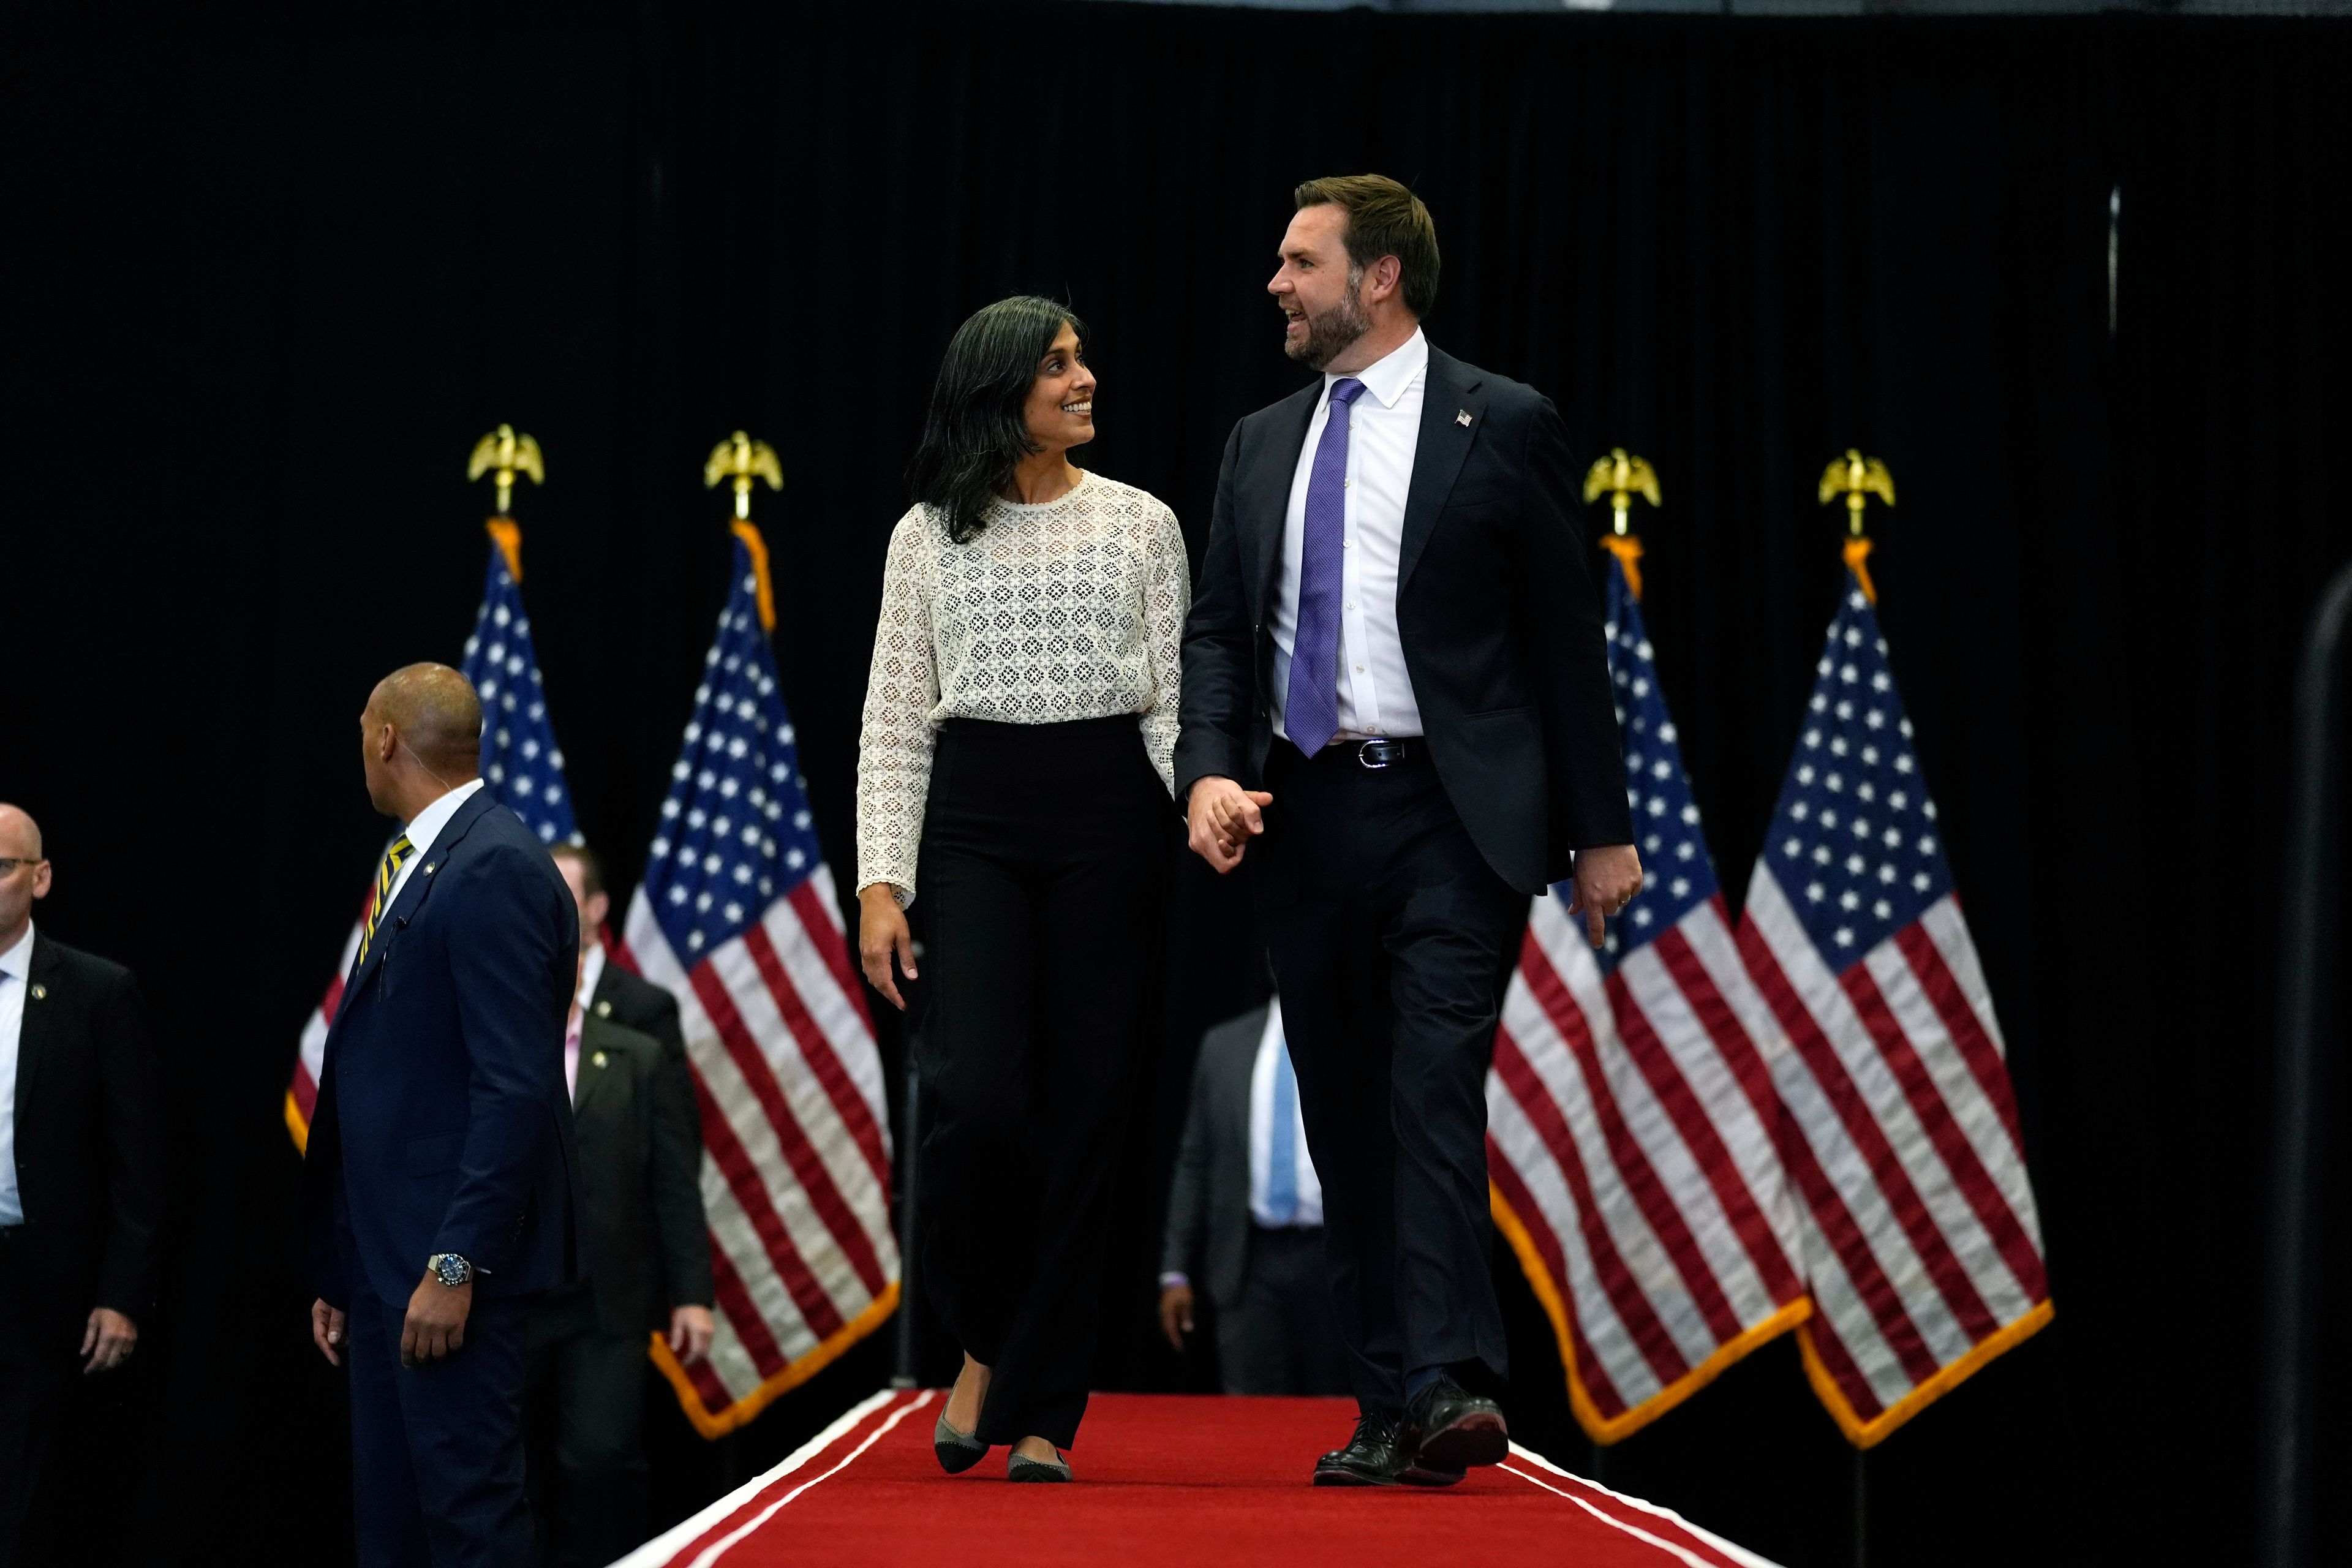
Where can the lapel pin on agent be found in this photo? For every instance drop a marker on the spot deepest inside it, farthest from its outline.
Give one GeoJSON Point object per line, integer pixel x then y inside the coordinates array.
{"type": "Point", "coordinates": [1462, 417]}
{"type": "Point", "coordinates": [40, 991]}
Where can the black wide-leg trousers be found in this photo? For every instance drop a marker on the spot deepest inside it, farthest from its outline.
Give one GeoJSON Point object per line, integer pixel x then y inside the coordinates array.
{"type": "Point", "coordinates": [1391, 938]}
{"type": "Point", "coordinates": [1042, 894]}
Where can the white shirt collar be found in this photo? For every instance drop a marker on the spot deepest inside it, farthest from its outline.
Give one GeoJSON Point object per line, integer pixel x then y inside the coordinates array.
{"type": "Point", "coordinates": [1387, 377]}
{"type": "Point", "coordinates": [18, 960]}
{"type": "Point", "coordinates": [427, 825]}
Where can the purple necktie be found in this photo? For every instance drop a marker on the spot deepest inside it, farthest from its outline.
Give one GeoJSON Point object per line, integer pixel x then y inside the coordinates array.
{"type": "Point", "coordinates": [1310, 714]}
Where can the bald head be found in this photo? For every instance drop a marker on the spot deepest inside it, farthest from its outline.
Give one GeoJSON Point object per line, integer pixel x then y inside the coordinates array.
{"type": "Point", "coordinates": [25, 876]}
{"type": "Point", "coordinates": [20, 835]}
{"type": "Point", "coordinates": [437, 712]}
{"type": "Point", "coordinates": [421, 737]}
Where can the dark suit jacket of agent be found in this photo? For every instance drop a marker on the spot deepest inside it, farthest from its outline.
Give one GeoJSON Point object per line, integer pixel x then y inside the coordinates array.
{"type": "Point", "coordinates": [644, 1245]}
{"type": "Point", "coordinates": [442, 1105]}
{"type": "Point", "coordinates": [1496, 608]}
{"type": "Point", "coordinates": [1208, 1234]}
{"type": "Point", "coordinates": [88, 1148]}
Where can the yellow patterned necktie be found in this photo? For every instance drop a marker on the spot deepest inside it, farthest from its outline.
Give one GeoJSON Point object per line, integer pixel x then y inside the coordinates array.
{"type": "Point", "coordinates": [386, 876]}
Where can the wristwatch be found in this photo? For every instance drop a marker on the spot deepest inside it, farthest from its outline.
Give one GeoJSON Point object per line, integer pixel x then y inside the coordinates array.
{"type": "Point", "coordinates": [450, 1269]}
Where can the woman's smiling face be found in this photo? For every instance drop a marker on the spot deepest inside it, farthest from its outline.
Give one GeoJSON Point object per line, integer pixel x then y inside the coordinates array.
{"type": "Point", "coordinates": [1060, 408]}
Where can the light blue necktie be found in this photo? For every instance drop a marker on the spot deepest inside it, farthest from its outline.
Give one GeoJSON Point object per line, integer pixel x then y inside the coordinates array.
{"type": "Point", "coordinates": [1282, 1141]}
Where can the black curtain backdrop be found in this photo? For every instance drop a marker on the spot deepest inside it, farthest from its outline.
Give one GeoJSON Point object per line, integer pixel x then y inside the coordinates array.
{"type": "Point", "coordinates": [268, 283]}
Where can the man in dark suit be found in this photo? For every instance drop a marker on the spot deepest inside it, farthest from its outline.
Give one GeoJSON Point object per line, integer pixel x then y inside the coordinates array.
{"type": "Point", "coordinates": [1246, 1210]}
{"type": "Point", "coordinates": [437, 1189]}
{"type": "Point", "coordinates": [80, 1173]}
{"type": "Point", "coordinates": [1397, 703]}
{"type": "Point", "coordinates": [644, 1246]}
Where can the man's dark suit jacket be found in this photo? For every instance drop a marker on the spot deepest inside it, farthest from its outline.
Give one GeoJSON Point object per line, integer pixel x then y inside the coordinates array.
{"type": "Point", "coordinates": [441, 1109]}
{"type": "Point", "coordinates": [1496, 608]}
{"type": "Point", "coordinates": [645, 1245]}
{"type": "Point", "coordinates": [1208, 1232]}
{"type": "Point", "coordinates": [89, 1147]}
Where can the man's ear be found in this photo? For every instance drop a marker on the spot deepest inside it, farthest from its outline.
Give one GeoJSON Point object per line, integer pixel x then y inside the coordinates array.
{"type": "Point", "coordinates": [599, 906]}
{"type": "Point", "coordinates": [1381, 278]}
{"type": "Point", "coordinates": [41, 881]}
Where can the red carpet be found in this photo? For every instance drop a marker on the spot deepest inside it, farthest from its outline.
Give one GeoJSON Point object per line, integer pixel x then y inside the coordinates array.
{"type": "Point", "coordinates": [867, 1492]}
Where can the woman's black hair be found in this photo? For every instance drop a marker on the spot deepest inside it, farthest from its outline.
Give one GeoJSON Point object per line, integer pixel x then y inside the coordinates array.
{"type": "Point", "coordinates": [978, 429]}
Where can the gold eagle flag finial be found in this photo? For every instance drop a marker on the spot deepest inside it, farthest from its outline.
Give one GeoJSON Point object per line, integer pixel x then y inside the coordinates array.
{"type": "Point", "coordinates": [1620, 477]}
{"type": "Point", "coordinates": [742, 459]}
{"type": "Point", "coordinates": [1857, 479]}
{"type": "Point", "coordinates": [502, 454]}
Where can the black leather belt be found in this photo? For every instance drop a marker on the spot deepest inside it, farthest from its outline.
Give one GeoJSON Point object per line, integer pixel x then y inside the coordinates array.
{"type": "Point", "coordinates": [1375, 753]}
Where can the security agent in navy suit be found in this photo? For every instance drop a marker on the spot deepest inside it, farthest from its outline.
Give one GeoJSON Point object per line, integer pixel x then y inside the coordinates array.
{"type": "Point", "coordinates": [438, 1185]}
{"type": "Point", "coordinates": [1397, 704]}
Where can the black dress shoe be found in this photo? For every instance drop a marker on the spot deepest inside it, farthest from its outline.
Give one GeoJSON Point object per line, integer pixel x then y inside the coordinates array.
{"type": "Point", "coordinates": [1371, 1458]}
{"type": "Point", "coordinates": [1447, 1430]}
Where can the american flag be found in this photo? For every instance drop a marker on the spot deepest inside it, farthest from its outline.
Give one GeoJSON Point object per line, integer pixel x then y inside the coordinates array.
{"type": "Point", "coordinates": [521, 766]}
{"type": "Point", "coordinates": [1922, 1247]}
{"type": "Point", "coordinates": [737, 918]}
{"type": "Point", "coordinates": [1631, 1110]}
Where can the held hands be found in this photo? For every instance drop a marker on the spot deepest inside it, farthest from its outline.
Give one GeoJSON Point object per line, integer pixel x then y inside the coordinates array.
{"type": "Point", "coordinates": [107, 1340]}
{"type": "Point", "coordinates": [1607, 878]}
{"type": "Point", "coordinates": [436, 1323]}
{"type": "Point", "coordinates": [691, 1330]}
{"type": "Point", "coordinates": [1223, 817]}
{"type": "Point", "coordinates": [882, 931]}
{"type": "Point", "coordinates": [1176, 1314]}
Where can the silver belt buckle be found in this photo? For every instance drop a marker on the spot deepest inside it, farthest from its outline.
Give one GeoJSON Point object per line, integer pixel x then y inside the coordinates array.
{"type": "Point", "coordinates": [1380, 753]}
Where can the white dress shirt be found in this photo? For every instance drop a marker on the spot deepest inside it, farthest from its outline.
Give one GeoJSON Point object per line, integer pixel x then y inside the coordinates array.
{"type": "Point", "coordinates": [15, 977]}
{"type": "Point", "coordinates": [592, 970]}
{"type": "Point", "coordinates": [425, 828]}
{"type": "Point", "coordinates": [1261, 1135]}
{"type": "Point", "coordinates": [1375, 693]}
{"type": "Point", "coordinates": [571, 1058]}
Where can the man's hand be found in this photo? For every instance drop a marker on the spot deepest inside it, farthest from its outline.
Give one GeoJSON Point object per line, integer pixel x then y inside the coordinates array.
{"type": "Point", "coordinates": [436, 1323]}
{"type": "Point", "coordinates": [882, 931]}
{"type": "Point", "coordinates": [1223, 817]}
{"type": "Point", "coordinates": [327, 1330]}
{"type": "Point", "coordinates": [107, 1340]}
{"type": "Point", "coordinates": [1607, 878]}
{"type": "Point", "coordinates": [1176, 1314]}
{"type": "Point", "coordinates": [690, 1334]}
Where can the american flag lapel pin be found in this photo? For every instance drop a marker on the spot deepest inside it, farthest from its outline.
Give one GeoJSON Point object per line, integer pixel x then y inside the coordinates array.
{"type": "Point", "coordinates": [1462, 417]}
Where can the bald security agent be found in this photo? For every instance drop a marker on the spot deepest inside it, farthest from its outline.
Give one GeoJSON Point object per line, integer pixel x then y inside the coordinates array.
{"type": "Point", "coordinates": [437, 1188]}
{"type": "Point", "coordinates": [80, 1180]}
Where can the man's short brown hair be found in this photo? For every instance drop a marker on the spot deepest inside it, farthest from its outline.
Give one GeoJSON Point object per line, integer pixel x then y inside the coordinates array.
{"type": "Point", "coordinates": [1384, 219]}
{"type": "Point", "coordinates": [591, 865]}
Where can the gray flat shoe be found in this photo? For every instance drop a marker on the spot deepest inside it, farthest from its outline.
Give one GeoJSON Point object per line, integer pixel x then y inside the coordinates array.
{"type": "Point", "coordinates": [1020, 1468]}
{"type": "Point", "coordinates": [957, 1451]}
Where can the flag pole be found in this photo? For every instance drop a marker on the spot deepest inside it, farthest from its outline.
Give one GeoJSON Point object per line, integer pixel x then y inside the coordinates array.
{"type": "Point", "coordinates": [1857, 479]}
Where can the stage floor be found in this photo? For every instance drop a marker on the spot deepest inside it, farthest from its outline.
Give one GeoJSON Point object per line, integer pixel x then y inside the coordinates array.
{"type": "Point", "coordinates": [1182, 1481]}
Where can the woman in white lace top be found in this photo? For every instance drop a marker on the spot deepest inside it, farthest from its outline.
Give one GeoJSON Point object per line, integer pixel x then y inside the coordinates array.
{"type": "Point", "coordinates": [1014, 791]}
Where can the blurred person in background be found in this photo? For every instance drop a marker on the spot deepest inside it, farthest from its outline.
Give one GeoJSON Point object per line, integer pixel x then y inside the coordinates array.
{"type": "Point", "coordinates": [644, 1261]}
{"type": "Point", "coordinates": [1019, 718]}
{"type": "Point", "coordinates": [80, 1183]}
{"type": "Point", "coordinates": [1245, 1215]}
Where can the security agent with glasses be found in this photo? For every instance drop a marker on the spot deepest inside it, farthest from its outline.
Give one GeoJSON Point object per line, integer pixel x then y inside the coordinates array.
{"type": "Point", "coordinates": [80, 1181]}
{"type": "Point", "coordinates": [437, 1192]}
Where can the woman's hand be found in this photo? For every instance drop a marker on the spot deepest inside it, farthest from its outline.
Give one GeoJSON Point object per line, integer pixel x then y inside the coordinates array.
{"type": "Point", "coordinates": [881, 932]}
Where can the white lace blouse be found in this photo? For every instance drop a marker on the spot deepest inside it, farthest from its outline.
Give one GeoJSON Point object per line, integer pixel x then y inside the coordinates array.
{"type": "Point", "coordinates": [1073, 609]}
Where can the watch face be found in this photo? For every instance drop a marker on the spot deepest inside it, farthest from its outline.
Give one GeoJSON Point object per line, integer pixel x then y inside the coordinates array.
{"type": "Point", "coordinates": [452, 1269]}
